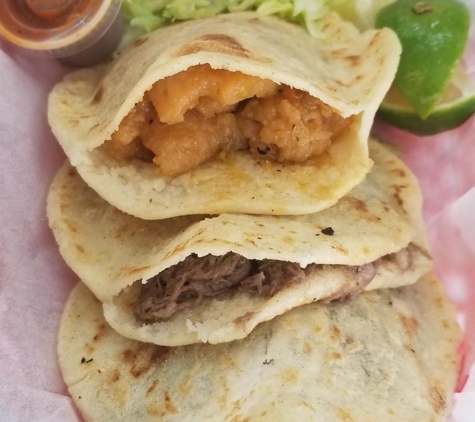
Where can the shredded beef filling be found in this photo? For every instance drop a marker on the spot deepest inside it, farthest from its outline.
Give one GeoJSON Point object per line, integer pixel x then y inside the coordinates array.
{"type": "Point", "coordinates": [188, 118]}
{"type": "Point", "coordinates": [186, 284]}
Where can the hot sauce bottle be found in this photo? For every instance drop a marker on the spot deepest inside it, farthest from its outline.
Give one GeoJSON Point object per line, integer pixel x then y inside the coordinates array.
{"type": "Point", "coordinates": [78, 32]}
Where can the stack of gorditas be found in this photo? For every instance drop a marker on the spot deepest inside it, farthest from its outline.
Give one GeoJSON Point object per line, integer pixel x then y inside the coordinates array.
{"type": "Point", "coordinates": [246, 251]}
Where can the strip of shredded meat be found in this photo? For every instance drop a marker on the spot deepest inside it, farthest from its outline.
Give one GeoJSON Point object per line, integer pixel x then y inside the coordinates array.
{"type": "Point", "coordinates": [187, 283]}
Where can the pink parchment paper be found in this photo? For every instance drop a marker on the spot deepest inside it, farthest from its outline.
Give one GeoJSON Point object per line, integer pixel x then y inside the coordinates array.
{"type": "Point", "coordinates": [34, 281]}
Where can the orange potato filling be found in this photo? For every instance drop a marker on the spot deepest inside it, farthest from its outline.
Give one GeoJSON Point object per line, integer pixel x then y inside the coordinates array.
{"type": "Point", "coordinates": [188, 118]}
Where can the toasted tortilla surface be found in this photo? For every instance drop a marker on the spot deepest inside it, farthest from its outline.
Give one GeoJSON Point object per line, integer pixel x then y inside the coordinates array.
{"type": "Point", "coordinates": [349, 71]}
{"type": "Point", "coordinates": [389, 355]}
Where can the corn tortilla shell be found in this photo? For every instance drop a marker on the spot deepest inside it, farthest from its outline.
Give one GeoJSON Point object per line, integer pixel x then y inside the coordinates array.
{"type": "Point", "coordinates": [389, 355]}
{"type": "Point", "coordinates": [349, 71]}
{"type": "Point", "coordinates": [113, 252]}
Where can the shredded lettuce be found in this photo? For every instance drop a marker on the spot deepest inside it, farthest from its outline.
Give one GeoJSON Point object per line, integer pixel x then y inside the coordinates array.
{"type": "Point", "coordinates": [147, 15]}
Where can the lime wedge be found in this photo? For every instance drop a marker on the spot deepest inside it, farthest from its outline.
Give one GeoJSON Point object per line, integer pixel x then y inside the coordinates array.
{"type": "Point", "coordinates": [455, 107]}
{"type": "Point", "coordinates": [433, 35]}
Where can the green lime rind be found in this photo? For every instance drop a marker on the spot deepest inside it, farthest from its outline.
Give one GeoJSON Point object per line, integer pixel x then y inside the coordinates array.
{"type": "Point", "coordinates": [433, 42]}
{"type": "Point", "coordinates": [441, 120]}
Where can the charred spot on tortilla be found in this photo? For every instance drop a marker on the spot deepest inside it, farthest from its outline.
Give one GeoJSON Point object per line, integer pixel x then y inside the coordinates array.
{"type": "Point", "coordinates": [342, 53]}
{"type": "Point", "coordinates": [142, 360]}
{"type": "Point", "coordinates": [133, 270]}
{"type": "Point", "coordinates": [139, 41]}
{"type": "Point", "coordinates": [189, 49]}
{"type": "Point", "coordinates": [115, 376]}
{"type": "Point", "coordinates": [355, 60]}
{"type": "Point", "coordinates": [151, 388]}
{"type": "Point", "coordinates": [397, 194]}
{"type": "Point", "coordinates": [244, 319]}
{"type": "Point", "coordinates": [328, 231]}
{"type": "Point", "coordinates": [93, 127]}
{"type": "Point", "coordinates": [217, 43]}
{"type": "Point", "coordinates": [70, 226]}
{"type": "Point", "coordinates": [358, 204]}
{"type": "Point", "coordinates": [100, 332]}
{"type": "Point", "coordinates": [438, 400]}
{"type": "Point", "coordinates": [226, 40]}
{"type": "Point", "coordinates": [409, 323]}
{"type": "Point", "coordinates": [374, 40]}
{"type": "Point", "coordinates": [98, 95]}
